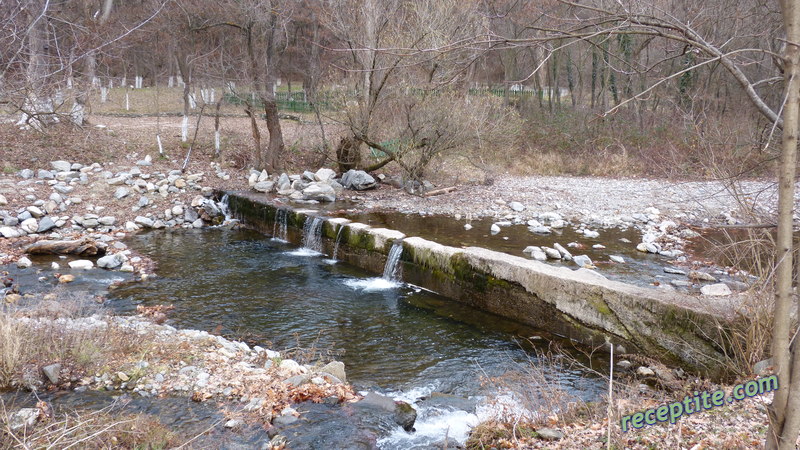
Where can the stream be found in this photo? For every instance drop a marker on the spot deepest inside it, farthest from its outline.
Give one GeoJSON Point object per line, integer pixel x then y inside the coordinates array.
{"type": "Point", "coordinates": [394, 338]}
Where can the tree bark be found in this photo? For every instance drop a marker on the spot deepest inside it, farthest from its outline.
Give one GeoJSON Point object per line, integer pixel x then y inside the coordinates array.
{"type": "Point", "coordinates": [785, 407]}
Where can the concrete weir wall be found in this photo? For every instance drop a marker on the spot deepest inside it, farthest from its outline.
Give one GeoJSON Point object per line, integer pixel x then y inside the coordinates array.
{"type": "Point", "coordinates": [581, 305]}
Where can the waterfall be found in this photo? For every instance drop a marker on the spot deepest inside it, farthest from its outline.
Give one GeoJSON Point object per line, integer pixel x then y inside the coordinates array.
{"type": "Point", "coordinates": [338, 239]}
{"type": "Point", "coordinates": [225, 209]}
{"type": "Point", "coordinates": [280, 229]}
{"type": "Point", "coordinates": [392, 266]}
{"type": "Point", "coordinates": [312, 234]}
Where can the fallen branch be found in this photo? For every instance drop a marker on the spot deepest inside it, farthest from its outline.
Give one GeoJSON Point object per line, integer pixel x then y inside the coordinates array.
{"type": "Point", "coordinates": [446, 190]}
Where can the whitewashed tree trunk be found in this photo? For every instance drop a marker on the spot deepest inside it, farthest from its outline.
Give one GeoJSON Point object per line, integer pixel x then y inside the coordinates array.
{"type": "Point", "coordinates": [78, 114]}
{"type": "Point", "coordinates": [212, 95]}
{"type": "Point", "coordinates": [180, 81]}
{"type": "Point", "coordinates": [70, 82]}
{"type": "Point", "coordinates": [216, 141]}
{"type": "Point", "coordinates": [111, 83]}
{"type": "Point", "coordinates": [192, 101]}
{"type": "Point", "coordinates": [127, 101]}
{"type": "Point", "coordinates": [160, 147]}
{"type": "Point", "coordinates": [185, 129]}
{"type": "Point", "coordinates": [170, 82]}
{"type": "Point", "coordinates": [231, 87]}
{"type": "Point", "coordinates": [103, 94]}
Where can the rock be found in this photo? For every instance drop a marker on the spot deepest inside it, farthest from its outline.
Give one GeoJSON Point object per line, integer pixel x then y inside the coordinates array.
{"type": "Point", "coordinates": [63, 188]}
{"type": "Point", "coordinates": [61, 166]}
{"type": "Point", "coordinates": [558, 224]}
{"type": "Point", "coordinates": [23, 419]}
{"type": "Point", "coordinates": [335, 368]}
{"type": "Point", "coordinates": [583, 261]}
{"type": "Point", "coordinates": [680, 283]}
{"type": "Point", "coordinates": [107, 220]}
{"type": "Point", "coordinates": [177, 210]}
{"type": "Point", "coordinates": [540, 230]}
{"type": "Point", "coordinates": [652, 211]}
{"type": "Point", "coordinates": [84, 264]}
{"type": "Point", "coordinates": [565, 254]}
{"type": "Point", "coordinates": [549, 434]}
{"type": "Point", "coordinates": [716, 290]}
{"type": "Point", "coordinates": [404, 414]}
{"type": "Point", "coordinates": [46, 224]}
{"type": "Point", "coordinates": [320, 192]}
{"type": "Point", "coordinates": [530, 249]}
{"type": "Point", "coordinates": [66, 278]}
{"type": "Point", "coordinates": [198, 223]}
{"type": "Point", "coordinates": [494, 228]}
{"type": "Point", "coordinates": [54, 265]}
{"type": "Point", "coordinates": [143, 221]}
{"type": "Point", "coordinates": [8, 232]}
{"type": "Point", "coordinates": [233, 423]}
{"type": "Point", "coordinates": [123, 376]}
{"type": "Point", "coordinates": [325, 175]}
{"type": "Point", "coordinates": [29, 225]}
{"type": "Point", "coordinates": [3, 201]}
{"type": "Point", "coordinates": [617, 259]}
{"type": "Point", "coordinates": [121, 192]}
{"type": "Point", "coordinates": [24, 263]}
{"type": "Point", "coordinates": [467, 226]}
{"type": "Point", "coordinates": [550, 217]}
{"type": "Point", "coordinates": [52, 372]}
{"type": "Point", "coordinates": [591, 234]}
{"type": "Point", "coordinates": [130, 227]}
{"type": "Point", "coordinates": [26, 173]}
{"type": "Point", "coordinates": [358, 180]}
{"type": "Point", "coordinates": [539, 256]}
{"type": "Point", "coordinates": [762, 367]}
{"type": "Point", "coordinates": [643, 371]}
{"type": "Point", "coordinates": [35, 211]}
{"type": "Point", "coordinates": [264, 186]}
{"type": "Point", "coordinates": [180, 183]}
{"type": "Point", "coordinates": [45, 175]}
{"type": "Point", "coordinates": [700, 276]}
{"type": "Point", "coordinates": [116, 181]}
{"type": "Point", "coordinates": [12, 298]}
{"type": "Point", "coordinates": [111, 261]}
{"type": "Point", "coordinates": [516, 206]}
{"type": "Point", "coordinates": [624, 364]}
{"type": "Point", "coordinates": [551, 253]}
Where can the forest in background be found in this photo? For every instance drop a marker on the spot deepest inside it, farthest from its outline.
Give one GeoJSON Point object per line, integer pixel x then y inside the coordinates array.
{"type": "Point", "coordinates": [659, 88]}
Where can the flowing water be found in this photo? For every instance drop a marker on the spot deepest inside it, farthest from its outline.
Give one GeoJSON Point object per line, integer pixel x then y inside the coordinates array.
{"type": "Point", "coordinates": [391, 268]}
{"type": "Point", "coordinates": [394, 338]}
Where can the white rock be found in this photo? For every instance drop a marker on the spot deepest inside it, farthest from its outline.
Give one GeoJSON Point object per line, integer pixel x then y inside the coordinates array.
{"type": "Point", "coordinates": [531, 249]}
{"type": "Point", "coordinates": [54, 265]}
{"type": "Point", "coordinates": [494, 229]}
{"type": "Point", "coordinates": [565, 254]}
{"type": "Point", "coordinates": [516, 206]}
{"type": "Point", "coordinates": [582, 261]}
{"type": "Point", "coordinates": [467, 226]}
{"type": "Point", "coordinates": [3, 201]}
{"type": "Point", "coordinates": [591, 234]}
{"type": "Point", "coordinates": [131, 227]}
{"type": "Point", "coordinates": [716, 290]}
{"type": "Point", "coordinates": [551, 253]}
{"type": "Point", "coordinates": [539, 256]}
{"type": "Point", "coordinates": [8, 232]}
{"type": "Point", "coordinates": [617, 259]}
{"type": "Point", "coordinates": [534, 223]}
{"type": "Point", "coordinates": [558, 224]}
{"type": "Point", "coordinates": [24, 263]}
{"type": "Point", "coordinates": [35, 211]}
{"type": "Point", "coordinates": [29, 225]}
{"type": "Point", "coordinates": [61, 166]}
{"type": "Point", "coordinates": [81, 264]}
{"type": "Point", "coordinates": [325, 175]}
{"type": "Point", "coordinates": [652, 210]}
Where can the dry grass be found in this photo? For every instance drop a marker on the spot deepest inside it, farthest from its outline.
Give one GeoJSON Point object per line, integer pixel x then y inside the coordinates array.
{"type": "Point", "coordinates": [30, 339]}
{"type": "Point", "coordinates": [100, 429]}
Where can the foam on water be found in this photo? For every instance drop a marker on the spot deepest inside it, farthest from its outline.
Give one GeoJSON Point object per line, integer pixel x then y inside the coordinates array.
{"type": "Point", "coordinates": [304, 252]}
{"type": "Point", "coordinates": [372, 284]}
{"type": "Point", "coordinates": [431, 427]}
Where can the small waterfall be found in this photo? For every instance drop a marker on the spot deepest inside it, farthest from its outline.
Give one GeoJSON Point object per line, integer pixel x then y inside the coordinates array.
{"type": "Point", "coordinates": [280, 230]}
{"type": "Point", "coordinates": [312, 234]}
{"type": "Point", "coordinates": [338, 239]}
{"type": "Point", "coordinates": [392, 266]}
{"type": "Point", "coordinates": [225, 208]}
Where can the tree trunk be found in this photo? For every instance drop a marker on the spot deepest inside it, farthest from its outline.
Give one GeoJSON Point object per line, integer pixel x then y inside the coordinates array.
{"type": "Point", "coordinates": [785, 407]}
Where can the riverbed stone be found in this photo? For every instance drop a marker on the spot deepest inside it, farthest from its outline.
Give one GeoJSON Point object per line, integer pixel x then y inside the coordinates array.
{"type": "Point", "coordinates": [264, 186]}
{"type": "Point", "coordinates": [111, 261]}
{"type": "Point", "coordinates": [84, 264]}
{"type": "Point", "coordinates": [549, 434]}
{"type": "Point", "coordinates": [8, 232]}
{"type": "Point", "coordinates": [144, 221]}
{"type": "Point", "coordinates": [617, 259]}
{"type": "Point", "coordinates": [551, 253]}
{"type": "Point", "coordinates": [324, 175]}
{"type": "Point", "coordinates": [46, 224]}
{"type": "Point", "coordinates": [335, 368]}
{"type": "Point", "coordinates": [24, 418]}
{"type": "Point", "coordinates": [24, 262]}
{"type": "Point", "coordinates": [320, 192]}
{"type": "Point", "coordinates": [358, 180]}
{"type": "Point", "coordinates": [716, 290]}
{"type": "Point", "coordinates": [582, 261]}
{"type": "Point", "coordinates": [701, 276]}
{"type": "Point", "coordinates": [29, 225]}
{"type": "Point", "coordinates": [61, 166]}
{"type": "Point", "coordinates": [516, 206]}
{"type": "Point", "coordinates": [52, 372]}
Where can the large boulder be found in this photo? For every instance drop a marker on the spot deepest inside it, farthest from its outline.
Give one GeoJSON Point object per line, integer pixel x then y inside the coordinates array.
{"type": "Point", "coordinates": [358, 180]}
{"type": "Point", "coordinates": [325, 175]}
{"type": "Point", "coordinates": [321, 192]}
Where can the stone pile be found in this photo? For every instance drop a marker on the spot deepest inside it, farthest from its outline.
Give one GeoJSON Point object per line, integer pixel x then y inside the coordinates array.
{"type": "Point", "coordinates": [310, 187]}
